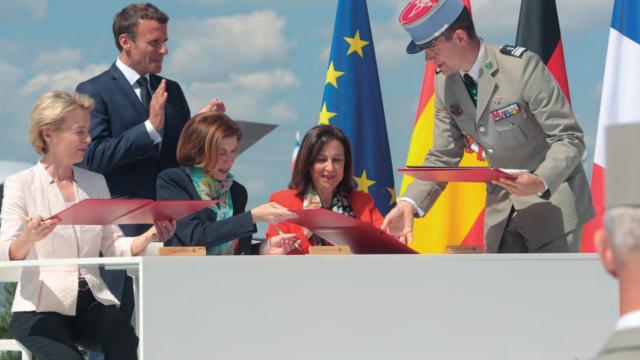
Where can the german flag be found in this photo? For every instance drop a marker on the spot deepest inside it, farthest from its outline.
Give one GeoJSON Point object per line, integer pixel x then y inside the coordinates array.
{"type": "Point", "coordinates": [539, 31]}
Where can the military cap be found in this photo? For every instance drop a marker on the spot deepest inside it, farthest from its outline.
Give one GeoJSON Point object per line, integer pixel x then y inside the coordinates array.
{"type": "Point", "coordinates": [425, 20]}
{"type": "Point", "coordinates": [622, 173]}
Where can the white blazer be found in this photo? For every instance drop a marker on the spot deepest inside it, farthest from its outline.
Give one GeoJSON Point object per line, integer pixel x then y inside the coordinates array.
{"type": "Point", "coordinates": [32, 192]}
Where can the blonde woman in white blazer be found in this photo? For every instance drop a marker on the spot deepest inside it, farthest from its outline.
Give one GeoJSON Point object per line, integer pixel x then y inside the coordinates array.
{"type": "Point", "coordinates": [56, 308]}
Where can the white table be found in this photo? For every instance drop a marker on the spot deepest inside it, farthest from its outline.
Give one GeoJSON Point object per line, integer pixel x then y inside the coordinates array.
{"type": "Point", "coordinates": [526, 307]}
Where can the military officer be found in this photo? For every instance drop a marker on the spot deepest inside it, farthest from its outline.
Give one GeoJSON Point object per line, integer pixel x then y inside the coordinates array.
{"type": "Point", "coordinates": [619, 246]}
{"type": "Point", "coordinates": [507, 102]}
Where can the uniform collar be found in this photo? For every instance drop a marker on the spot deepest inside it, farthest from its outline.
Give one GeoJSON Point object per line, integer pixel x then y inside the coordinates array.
{"type": "Point", "coordinates": [131, 75]}
{"type": "Point", "coordinates": [628, 321]}
{"type": "Point", "coordinates": [474, 72]}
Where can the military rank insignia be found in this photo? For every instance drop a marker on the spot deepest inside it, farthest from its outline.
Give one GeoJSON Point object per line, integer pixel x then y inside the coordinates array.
{"type": "Point", "coordinates": [505, 112]}
{"type": "Point", "coordinates": [515, 51]}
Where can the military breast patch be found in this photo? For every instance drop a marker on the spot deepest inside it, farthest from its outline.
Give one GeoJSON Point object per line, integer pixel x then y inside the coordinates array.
{"type": "Point", "coordinates": [515, 51]}
{"type": "Point", "coordinates": [505, 112]}
{"type": "Point", "coordinates": [455, 109]}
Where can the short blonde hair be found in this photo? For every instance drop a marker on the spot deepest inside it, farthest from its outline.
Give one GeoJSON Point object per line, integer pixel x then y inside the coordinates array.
{"type": "Point", "coordinates": [49, 111]}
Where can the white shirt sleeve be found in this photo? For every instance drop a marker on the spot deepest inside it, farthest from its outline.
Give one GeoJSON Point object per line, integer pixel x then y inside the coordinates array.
{"type": "Point", "coordinates": [413, 203]}
{"type": "Point", "coordinates": [153, 134]}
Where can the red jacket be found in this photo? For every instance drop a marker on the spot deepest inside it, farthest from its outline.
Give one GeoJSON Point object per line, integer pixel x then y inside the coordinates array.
{"type": "Point", "coordinates": [361, 203]}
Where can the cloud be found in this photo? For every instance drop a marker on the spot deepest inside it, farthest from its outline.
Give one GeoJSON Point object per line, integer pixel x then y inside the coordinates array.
{"type": "Point", "coordinates": [282, 110]}
{"type": "Point", "coordinates": [9, 73]}
{"type": "Point", "coordinates": [204, 2]}
{"type": "Point", "coordinates": [210, 48]}
{"type": "Point", "coordinates": [62, 59]}
{"type": "Point", "coordinates": [248, 96]}
{"type": "Point", "coordinates": [13, 11]}
{"type": "Point", "coordinates": [495, 18]}
{"type": "Point", "coordinates": [391, 39]}
{"type": "Point", "coordinates": [62, 80]}
{"type": "Point", "coordinates": [10, 76]}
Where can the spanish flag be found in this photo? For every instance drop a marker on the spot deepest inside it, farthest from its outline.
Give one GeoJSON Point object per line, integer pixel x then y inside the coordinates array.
{"type": "Point", "coordinates": [457, 218]}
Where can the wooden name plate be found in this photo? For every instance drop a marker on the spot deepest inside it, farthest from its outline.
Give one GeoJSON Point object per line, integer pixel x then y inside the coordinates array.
{"type": "Point", "coordinates": [329, 250]}
{"type": "Point", "coordinates": [182, 251]}
{"type": "Point", "coordinates": [464, 249]}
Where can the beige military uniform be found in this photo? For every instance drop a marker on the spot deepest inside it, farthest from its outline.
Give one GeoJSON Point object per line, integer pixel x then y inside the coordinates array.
{"type": "Point", "coordinates": [523, 121]}
{"type": "Point", "coordinates": [621, 345]}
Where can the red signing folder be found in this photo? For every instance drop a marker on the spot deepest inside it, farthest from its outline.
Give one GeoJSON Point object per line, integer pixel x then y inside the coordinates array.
{"type": "Point", "coordinates": [338, 229]}
{"type": "Point", "coordinates": [128, 211]}
{"type": "Point", "coordinates": [459, 174]}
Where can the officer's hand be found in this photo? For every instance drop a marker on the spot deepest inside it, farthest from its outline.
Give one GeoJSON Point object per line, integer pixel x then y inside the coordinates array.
{"type": "Point", "coordinates": [399, 222]}
{"type": "Point", "coordinates": [156, 106]}
{"type": "Point", "coordinates": [524, 184]}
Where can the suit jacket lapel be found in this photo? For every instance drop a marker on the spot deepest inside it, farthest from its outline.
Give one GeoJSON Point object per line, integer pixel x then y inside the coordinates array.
{"type": "Point", "coordinates": [55, 202]}
{"type": "Point", "coordinates": [486, 83]}
{"type": "Point", "coordinates": [127, 91]}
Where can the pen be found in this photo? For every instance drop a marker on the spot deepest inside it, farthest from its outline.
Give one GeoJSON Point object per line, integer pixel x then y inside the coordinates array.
{"type": "Point", "coordinates": [280, 232]}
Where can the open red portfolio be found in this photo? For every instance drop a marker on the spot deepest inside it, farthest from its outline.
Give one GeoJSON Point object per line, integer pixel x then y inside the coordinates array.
{"type": "Point", "coordinates": [128, 211]}
{"type": "Point", "coordinates": [338, 229]}
{"type": "Point", "coordinates": [458, 173]}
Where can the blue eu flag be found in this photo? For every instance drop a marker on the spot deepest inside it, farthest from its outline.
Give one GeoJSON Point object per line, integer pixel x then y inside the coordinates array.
{"type": "Point", "coordinates": [352, 101]}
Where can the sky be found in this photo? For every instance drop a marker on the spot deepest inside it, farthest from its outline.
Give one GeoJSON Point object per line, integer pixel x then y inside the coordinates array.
{"type": "Point", "coordinates": [267, 61]}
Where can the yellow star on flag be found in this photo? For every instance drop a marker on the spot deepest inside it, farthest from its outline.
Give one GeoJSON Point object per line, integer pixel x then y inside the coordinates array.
{"type": "Point", "coordinates": [332, 76]}
{"type": "Point", "coordinates": [356, 44]}
{"type": "Point", "coordinates": [363, 182]}
{"type": "Point", "coordinates": [325, 115]}
{"type": "Point", "coordinates": [392, 191]}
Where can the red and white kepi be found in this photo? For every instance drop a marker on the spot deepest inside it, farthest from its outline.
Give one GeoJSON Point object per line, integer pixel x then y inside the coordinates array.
{"type": "Point", "coordinates": [425, 20]}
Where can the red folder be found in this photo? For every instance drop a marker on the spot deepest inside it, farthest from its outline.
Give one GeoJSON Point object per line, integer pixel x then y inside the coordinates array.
{"type": "Point", "coordinates": [338, 229]}
{"type": "Point", "coordinates": [460, 174]}
{"type": "Point", "coordinates": [128, 211]}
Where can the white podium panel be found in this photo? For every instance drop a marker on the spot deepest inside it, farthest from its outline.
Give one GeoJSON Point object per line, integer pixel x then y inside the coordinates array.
{"type": "Point", "coordinates": [375, 307]}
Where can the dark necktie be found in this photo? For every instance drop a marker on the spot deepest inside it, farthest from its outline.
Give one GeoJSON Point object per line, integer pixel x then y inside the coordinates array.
{"type": "Point", "coordinates": [145, 93]}
{"type": "Point", "coordinates": [472, 87]}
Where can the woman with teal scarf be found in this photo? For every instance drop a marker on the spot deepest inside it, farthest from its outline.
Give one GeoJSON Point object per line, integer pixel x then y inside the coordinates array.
{"type": "Point", "coordinates": [207, 150]}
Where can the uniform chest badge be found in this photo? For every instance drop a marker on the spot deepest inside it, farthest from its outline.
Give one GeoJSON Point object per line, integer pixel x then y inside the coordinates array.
{"type": "Point", "coordinates": [505, 112]}
{"type": "Point", "coordinates": [496, 101]}
{"type": "Point", "coordinates": [455, 109]}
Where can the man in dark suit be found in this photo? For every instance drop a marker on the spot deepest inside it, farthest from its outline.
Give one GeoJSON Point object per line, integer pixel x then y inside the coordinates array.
{"type": "Point", "coordinates": [619, 246]}
{"type": "Point", "coordinates": [137, 119]}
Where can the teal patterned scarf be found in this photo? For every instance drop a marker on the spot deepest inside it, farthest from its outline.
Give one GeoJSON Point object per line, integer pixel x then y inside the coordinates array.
{"type": "Point", "coordinates": [211, 189]}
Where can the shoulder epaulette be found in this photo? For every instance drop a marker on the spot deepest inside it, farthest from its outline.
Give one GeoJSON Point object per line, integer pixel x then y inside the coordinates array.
{"type": "Point", "coordinates": [515, 51]}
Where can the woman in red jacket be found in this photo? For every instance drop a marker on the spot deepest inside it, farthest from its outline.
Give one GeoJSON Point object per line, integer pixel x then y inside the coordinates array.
{"type": "Point", "coordinates": [322, 178]}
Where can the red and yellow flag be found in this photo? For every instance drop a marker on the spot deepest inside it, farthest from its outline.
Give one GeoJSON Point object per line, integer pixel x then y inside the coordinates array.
{"type": "Point", "coordinates": [457, 218]}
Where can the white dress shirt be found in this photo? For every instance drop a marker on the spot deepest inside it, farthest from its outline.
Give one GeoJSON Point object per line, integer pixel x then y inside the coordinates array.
{"type": "Point", "coordinates": [132, 77]}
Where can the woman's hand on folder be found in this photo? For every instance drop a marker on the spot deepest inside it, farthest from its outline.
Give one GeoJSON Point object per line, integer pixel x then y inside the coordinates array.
{"type": "Point", "coordinates": [271, 213]}
{"type": "Point", "coordinates": [280, 244]}
{"type": "Point", "coordinates": [35, 230]}
{"type": "Point", "coordinates": [399, 222]}
{"type": "Point", "coordinates": [164, 229]}
{"type": "Point", "coordinates": [161, 231]}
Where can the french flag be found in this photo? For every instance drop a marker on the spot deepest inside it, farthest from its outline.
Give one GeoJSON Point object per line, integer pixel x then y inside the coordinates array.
{"type": "Point", "coordinates": [620, 98]}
